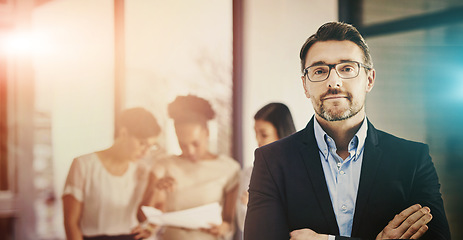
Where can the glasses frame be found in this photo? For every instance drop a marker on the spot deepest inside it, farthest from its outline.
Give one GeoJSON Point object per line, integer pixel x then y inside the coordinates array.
{"type": "Point", "coordinates": [333, 66]}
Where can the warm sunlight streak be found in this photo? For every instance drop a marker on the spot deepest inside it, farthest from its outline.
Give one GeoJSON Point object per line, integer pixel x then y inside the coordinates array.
{"type": "Point", "coordinates": [25, 43]}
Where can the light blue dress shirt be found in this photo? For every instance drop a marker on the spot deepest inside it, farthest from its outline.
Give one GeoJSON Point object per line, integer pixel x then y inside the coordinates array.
{"type": "Point", "coordinates": [342, 176]}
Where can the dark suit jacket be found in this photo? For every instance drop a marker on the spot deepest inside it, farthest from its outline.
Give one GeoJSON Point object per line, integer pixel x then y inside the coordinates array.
{"type": "Point", "coordinates": [288, 189]}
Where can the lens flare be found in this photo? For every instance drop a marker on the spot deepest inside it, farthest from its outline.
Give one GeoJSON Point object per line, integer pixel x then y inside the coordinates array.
{"type": "Point", "coordinates": [24, 43]}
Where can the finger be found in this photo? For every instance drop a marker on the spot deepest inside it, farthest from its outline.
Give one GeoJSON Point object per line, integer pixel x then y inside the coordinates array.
{"type": "Point", "coordinates": [165, 185]}
{"type": "Point", "coordinates": [379, 236]}
{"type": "Point", "coordinates": [214, 229]}
{"type": "Point", "coordinates": [300, 232]}
{"type": "Point", "coordinates": [206, 230]}
{"type": "Point", "coordinates": [420, 232]}
{"type": "Point", "coordinates": [214, 232]}
{"type": "Point", "coordinates": [169, 179]}
{"type": "Point", "coordinates": [169, 183]}
{"type": "Point", "coordinates": [293, 233]}
{"type": "Point", "coordinates": [135, 229]}
{"type": "Point", "coordinates": [399, 218]}
{"type": "Point", "coordinates": [416, 227]}
{"type": "Point", "coordinates": [415, 221]}
{"type": "Point", "coordinates": [138, 236]}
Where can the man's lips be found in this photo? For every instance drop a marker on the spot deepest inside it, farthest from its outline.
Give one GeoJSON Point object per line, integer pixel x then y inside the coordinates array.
{"type": "Point", "coordinates": [332, 97]}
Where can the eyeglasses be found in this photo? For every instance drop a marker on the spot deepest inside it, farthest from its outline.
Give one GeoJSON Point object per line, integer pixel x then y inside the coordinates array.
{"type": "Point", "coordinates": [345, 70]}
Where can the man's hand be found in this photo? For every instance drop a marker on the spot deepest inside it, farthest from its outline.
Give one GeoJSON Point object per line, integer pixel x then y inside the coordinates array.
{"type": "Point", "coordinates": [409, 224]}
{"type": "Point", "coordinates": [307, 234]}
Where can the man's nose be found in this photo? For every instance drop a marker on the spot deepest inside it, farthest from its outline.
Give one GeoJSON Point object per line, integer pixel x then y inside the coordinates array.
{"type": "Point", "coordinates": [334, 81]}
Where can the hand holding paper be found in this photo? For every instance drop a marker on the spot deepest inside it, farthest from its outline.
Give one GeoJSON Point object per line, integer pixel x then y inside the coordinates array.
{"type": "Point", "coordinates": [193, 218]}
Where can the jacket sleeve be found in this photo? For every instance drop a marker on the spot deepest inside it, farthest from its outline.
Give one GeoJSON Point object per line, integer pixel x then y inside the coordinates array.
{"type": "Point", "coordinates": [265, 217]}
{"type": "Point", "coordinates": [426, 191]}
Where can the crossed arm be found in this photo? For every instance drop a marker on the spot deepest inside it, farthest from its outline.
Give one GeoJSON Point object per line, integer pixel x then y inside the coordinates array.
{"type": "Point", "coordinates": [409, 224]}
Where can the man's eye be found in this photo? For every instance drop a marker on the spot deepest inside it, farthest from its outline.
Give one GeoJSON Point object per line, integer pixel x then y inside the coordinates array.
{"type": "Point", "coordinates": [318, 71]}
{"type": "Point", "coordinates": [348, 69]}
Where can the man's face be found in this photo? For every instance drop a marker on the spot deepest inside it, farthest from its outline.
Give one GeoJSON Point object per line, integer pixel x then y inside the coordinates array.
{"type": "Point", "coordinates": [337, 99]}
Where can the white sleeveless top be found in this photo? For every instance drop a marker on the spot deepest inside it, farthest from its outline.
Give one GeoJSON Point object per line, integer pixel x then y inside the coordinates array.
{"type": "Point", "coordinates": [110, 203]}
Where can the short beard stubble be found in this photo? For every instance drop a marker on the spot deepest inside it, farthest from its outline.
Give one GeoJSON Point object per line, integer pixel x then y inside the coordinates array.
{"type": "Point", "coordinates": [332, 116]}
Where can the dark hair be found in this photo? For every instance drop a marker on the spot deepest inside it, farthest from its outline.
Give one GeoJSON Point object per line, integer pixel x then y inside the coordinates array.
{"type": "Point", "coordinates": [190, 108]}
{"type": "Point", "coordinates": [279, 116]}
{"type": "Point", "coordinates": [336, 31]}
{"type": "Point", "coordinates": [138, 122]}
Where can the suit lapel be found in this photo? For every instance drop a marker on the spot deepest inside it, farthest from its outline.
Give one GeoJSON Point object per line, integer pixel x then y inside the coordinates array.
{"type": "Point", "coordinates": [311, 157]}
{"type": "Point", "coordinates": [370, 165]}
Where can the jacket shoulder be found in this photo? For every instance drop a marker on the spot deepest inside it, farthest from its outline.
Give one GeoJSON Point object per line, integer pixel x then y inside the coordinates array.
{"type": "Point", "coordinates": [289, 142]}
{"type": "Point", "coordinates": [389, 140]}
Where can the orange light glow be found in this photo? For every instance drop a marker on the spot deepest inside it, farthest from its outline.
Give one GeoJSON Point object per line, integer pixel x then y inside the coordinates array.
{"type": "Point", "coordinates": [24, 44]}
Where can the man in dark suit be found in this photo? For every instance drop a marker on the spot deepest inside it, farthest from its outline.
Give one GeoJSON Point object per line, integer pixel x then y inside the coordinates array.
{"type": "Point", "coordinates": [340, 178]}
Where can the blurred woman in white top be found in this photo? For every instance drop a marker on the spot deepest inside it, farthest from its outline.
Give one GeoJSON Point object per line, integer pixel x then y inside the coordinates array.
{"type": "Point", "coordinates": [104, 189]}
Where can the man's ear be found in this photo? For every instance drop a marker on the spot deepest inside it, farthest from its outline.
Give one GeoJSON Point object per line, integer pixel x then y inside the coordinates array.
{"type": "Point", "coordinates": [371, 80]}
{"type": "Point", "coordinates": [306, 90]}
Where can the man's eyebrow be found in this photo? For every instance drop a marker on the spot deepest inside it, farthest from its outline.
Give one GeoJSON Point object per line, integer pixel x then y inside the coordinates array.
{"type": "Point", "coordinates": [347, 60]}
{"type": "Point", "coordinates": [318, 63]}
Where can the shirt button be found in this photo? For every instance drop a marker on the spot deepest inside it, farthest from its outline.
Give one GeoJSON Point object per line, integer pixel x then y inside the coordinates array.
{"type": "Point", "coordinates": [339, 164]}
{"type": "Point", "coordinates": [343, 208]}
{"type": "Point", "coordinates": [342, 172]}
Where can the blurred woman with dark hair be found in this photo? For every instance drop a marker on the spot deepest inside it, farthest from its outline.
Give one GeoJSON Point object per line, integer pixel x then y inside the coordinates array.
{"type": "Point", "coordinates": [271, 123]}
{"type": "Point", "coordinates": [196, 177]}
{"type": "Point", "coordinates": [103, 189]}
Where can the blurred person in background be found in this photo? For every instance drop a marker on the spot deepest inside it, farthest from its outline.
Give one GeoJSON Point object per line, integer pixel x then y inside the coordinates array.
{"type": "Point", "coordinates": [271, 123]}
{"type": "Point", "coordinates": [196, 177]}
{"type": "Point", "coordinates": [104, 189]}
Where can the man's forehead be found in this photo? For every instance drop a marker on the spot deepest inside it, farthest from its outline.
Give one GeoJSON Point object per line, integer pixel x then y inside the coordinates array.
{"type": "Point", "coordinates": [331, 52]}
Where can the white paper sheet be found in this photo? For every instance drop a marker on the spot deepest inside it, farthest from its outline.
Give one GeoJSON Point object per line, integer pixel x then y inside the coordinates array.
{"type": "Point", "coordinates": [194, 218]}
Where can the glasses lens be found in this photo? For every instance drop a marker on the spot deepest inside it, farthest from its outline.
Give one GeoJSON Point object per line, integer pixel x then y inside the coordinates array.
{"type": "Point", "coordinates": [318, 73]}
{"type": "Point", "coordinates": [345, 70]}
{"type": "Point", "coordinates": [348, 69]}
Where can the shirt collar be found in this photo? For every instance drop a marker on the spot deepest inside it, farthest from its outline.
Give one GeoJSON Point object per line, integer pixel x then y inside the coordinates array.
{"type": "Point", "coordinates": [362, 135]}
{"type": "Point", "coordinates": [320, 135]}
{"type": "Point", "coordinates": [320, 138]}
